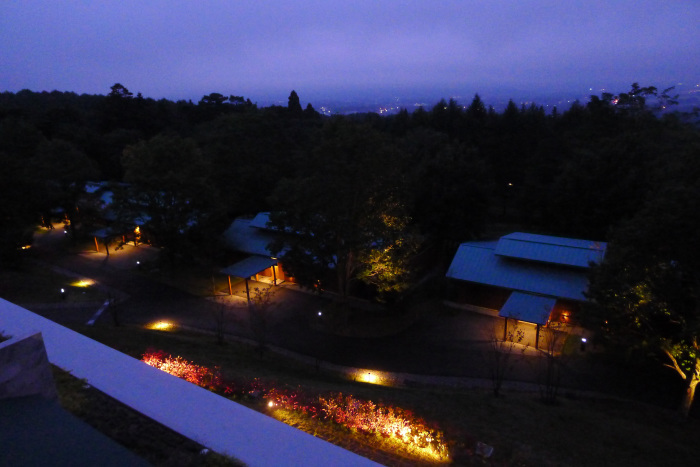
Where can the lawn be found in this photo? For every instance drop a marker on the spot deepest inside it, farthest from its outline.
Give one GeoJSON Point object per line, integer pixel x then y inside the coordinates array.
{"type": "Point", "coordinates": [43, 285]}
{"type": "Point", "coordinates": [523, 431]}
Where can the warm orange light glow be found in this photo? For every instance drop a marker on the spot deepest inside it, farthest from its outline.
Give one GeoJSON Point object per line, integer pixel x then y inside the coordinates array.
{"type": "Point", "coordinates": [83, 283]}
{"type": "Point", "coordinates": [161, 326]}
{"type": "Point", "coordinates": [372, 377]}
{"type": "Point", "coordinates": [395, 425]}
{"type": "Point", "coordinates": [137, 230]}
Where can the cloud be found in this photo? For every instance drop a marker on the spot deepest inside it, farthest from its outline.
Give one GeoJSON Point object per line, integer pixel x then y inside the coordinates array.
{"type": "Point", "coordinates": [160, 47]}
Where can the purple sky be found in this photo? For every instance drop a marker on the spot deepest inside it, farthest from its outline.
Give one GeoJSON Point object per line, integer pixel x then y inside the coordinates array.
{"type": "Point", "coordinates": [264, 49]}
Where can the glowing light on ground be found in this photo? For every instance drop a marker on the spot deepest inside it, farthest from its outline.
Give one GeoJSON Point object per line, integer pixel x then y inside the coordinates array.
{"type": "Point", "coordinates": [83, 283]}
{"type": "Point", "coordinates": [161, 326]}
{"type": "Point", "coordinates": [372, 377]}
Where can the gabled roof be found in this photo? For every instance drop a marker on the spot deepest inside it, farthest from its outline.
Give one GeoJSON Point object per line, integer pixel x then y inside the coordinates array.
{"type": "Point", "coordinates": [242, 236]}
{"type": "Point", "coordinates": [478, 262]}
{"type": "Point", "coordinates": [527, 307]}
{"type": "Point", "coordinates": [548, 249]}
{"type": "Point", "coordinates": [261, 220]}
{"type": "Point", "coordinates": [92, 187]}
{"type": "Point", "coordinates": [250, 266]}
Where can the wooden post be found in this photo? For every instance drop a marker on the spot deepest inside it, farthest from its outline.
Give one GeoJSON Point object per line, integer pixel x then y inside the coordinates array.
{"type": "Point", "coordinates": [230, 290]}
{"type": "Point", "coordinates": [274, 275]}
{"type": "Point", "coordinates": [537, 336]}
{"type": "Point", "coordinates": [247, 290]}
{"type": "Point", "coordinates": [505, 329]}
{"type": "Point", "coordinates": [97, 247]}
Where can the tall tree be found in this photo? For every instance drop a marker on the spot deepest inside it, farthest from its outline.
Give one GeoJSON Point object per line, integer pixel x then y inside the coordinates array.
{"type": "Point", "coordinates": [450, 190]}
{"type": "Point", "coordinates": [215, 99]}
{"type": "Point", "coordinates": [646, 293]}
{"type": "Point", "coordinates": [477, 109]}
{"type": "Point", "coordinates": [346, 213]}
{"type": "Point", "coordinates": [63, 170]}
{"type": "Point", "coordinates": [118, 91]}
{"type": "Point", "coordinates": [21, 202]}
{"type": "Point", "coordinates": [169, 188]}
{"type": "Point", "coordinates": [293, 104]}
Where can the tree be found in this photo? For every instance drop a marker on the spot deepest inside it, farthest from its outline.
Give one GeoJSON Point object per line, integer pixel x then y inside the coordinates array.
{"type": "Point", "coordinates": [293, 104]}
{"type": "Point", "coordinates": [386, 265]}
{"type": "Point", "coordinates": [343, 208]}
{"type": "Point", "coordinates": [553, 361]}
{"type": "Point", "coordinates": [450, 190]}
{"type": "Point", "coordinates": [22, 202]}
{"type": "Point", "coordinates": [310, 112]}
{"type": "Point", "coordinates": [646, 293]}
{"type": "Point", "coordinates": [500, 353]}
{"type": "Point", "coordinates": [259, 308]}
{"type": "Point", "coordinates": [169, 188]}
{"type": "Point", "coordinates": [63, 170]}
{"type": "Point", "coordinates": [216, 98]}
{"type": "Point", "coordinates": [118, 109]}
{"type": "Point", "coordinates": [120, 92]}
{"type": "Point", "coordinates": [477, 110]}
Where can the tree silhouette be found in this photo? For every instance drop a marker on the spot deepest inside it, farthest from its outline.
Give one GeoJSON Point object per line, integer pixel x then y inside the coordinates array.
{"type": "Point", "coordinates": [293, 104]}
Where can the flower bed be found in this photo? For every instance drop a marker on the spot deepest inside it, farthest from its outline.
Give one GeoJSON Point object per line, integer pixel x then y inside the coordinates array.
{"type": "Point", "coordinates": [363, 416]}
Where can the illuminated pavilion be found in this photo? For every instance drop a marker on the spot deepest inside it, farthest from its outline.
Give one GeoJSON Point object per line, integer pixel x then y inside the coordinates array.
{"type": "Point", "coordinates": [536, 279]}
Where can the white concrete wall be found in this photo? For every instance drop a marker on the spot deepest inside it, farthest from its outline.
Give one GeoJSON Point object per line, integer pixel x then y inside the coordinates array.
{"type": "Point", "coordinates": [214, 421]}
{"type": "Point", "coordinates": [25, 369]}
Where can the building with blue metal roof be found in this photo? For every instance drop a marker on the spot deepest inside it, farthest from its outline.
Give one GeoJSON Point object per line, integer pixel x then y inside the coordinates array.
{"type": "Point", "coordinates": [529, 277]}
{"type": "Point", "coordinates": [252, 237]}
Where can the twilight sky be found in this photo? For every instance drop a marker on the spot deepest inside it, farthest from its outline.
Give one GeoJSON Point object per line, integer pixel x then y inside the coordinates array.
{"type": "Point", "coordinates": [264, 49]}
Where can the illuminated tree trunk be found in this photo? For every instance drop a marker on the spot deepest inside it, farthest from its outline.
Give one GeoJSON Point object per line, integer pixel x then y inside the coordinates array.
{"type": "Point", "coordinates": [690, 392]}
{"type": "Point", "coordinates": [344, 270]}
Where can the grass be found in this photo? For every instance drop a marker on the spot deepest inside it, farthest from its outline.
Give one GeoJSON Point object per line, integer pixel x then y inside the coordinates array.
{"type": "Point", "coordinates": [197, 280]}
{"type": "Point", "coordinates": [523, 431]}
{"type": "Point", "coordinates": [43, 285]}
{"type": "Point", "coordinates": [577, 431]}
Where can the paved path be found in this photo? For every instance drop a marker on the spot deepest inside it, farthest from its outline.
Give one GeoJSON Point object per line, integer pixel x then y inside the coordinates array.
{"type": "Point", "coordinates": [455, 344]}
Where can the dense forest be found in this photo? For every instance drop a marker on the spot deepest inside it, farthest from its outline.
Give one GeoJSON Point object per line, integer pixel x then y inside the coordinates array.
{"type": "Point", "coordinates": [378, 198]}
{"type": "Point", "coordinates": [454, 170]}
